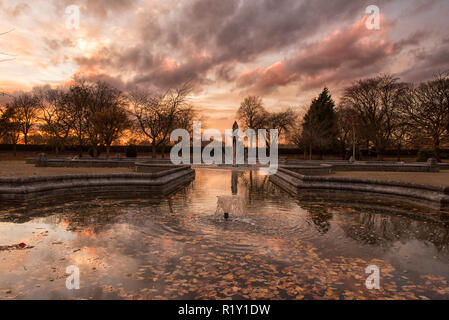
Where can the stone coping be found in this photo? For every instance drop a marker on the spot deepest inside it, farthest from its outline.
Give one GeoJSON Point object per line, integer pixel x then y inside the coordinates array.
{"type": "Point", "coordinates": [310, 168]}
{"type": "Point", "coordinates": [400, 167]}
{"type": "Point", "coordinates": [147, 166]}
{"type": "Point", "coordinates": [438, 195]}
{"type": "Point", "coordinates": [339, 165]}
{"type": "Point", "coordinates": [16, 188]}
{"type": "Point", "coordinates": [87, 162]}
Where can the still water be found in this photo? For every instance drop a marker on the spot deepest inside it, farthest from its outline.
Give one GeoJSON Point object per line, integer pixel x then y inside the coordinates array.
{"type": "Point", "coordinates": [137, 246]}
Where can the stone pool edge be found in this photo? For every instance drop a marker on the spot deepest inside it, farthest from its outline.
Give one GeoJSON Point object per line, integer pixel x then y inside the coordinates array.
{"type": "Point", "coordinates": [430, 195]}
{"type": "Point", "coordinates": [164, 181]}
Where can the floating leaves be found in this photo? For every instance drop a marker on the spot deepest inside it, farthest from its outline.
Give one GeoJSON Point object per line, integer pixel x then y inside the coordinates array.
{"type": "Point", "coordinates": [175, 248]}
{"type": "Point", "coordinates": [18, 246]}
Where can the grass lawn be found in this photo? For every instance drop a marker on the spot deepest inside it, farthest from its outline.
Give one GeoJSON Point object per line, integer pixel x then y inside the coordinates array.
{"type": "Point", "coordinates": [436, 178]}
{"type": "Point", "coordinates": [21, 169]}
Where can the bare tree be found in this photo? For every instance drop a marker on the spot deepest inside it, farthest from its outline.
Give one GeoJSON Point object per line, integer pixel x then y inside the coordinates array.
{"type": "Point", "coordinates": [2, 122]}
{"type": "Point", "coordinates": [441, 82]}
{"type": "Point", "coordinates": [157, 116]}
{"type": "Point", "coordinates": [25, 105]}
{"type": "Point", "coordinates": [11, 122]}
{"type": "Point", "coordinates": [252, 114]}
{"type": "Point", "coordinates": [376, 102]}
{"type": "Point", "coordinates": [76, 102]}
{"type": "Point", "coordinates": [107, 114]}
{"type": "Point", "coordinates": [426, 108]}
{"type": "Point", "coordinates": [349, 126]}
{"type": "Point", "coordinates": [56, 121]}
{"type": "Point", "coordinates": [283, 121]}
{"type": "Point", "coordinates": [295, 135]}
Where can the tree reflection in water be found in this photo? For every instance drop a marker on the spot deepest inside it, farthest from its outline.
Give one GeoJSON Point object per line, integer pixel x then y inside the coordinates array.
{"type": "Point", "coordinates": [170, 242]}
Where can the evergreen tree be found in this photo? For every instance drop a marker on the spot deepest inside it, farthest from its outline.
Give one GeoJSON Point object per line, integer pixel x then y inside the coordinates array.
{"type": "Point", "coordinates": [319, 124]}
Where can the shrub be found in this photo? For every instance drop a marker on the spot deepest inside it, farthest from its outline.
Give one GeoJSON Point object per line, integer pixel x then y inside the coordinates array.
{"type": "Point", "coordinates": [91, 152]}
{"type": "Point", "coordinates": [358, 154]}
{"type": "Point", "coordinates": [131, 151]}
{"type": "Point", "coordinates": [444, 155]}
{"type": "Point", "coordinates": [424, 154]}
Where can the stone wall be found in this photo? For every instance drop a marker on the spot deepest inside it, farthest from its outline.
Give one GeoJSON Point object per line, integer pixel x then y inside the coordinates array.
{"type": "Point", "coordinates": [43, 161]}
{"type": "Point", "coordinates": [163, 181]}
{"type": "Point", "coordinates": [338, 165]}
{"type": "Point", "coordinates": [438, 196]}
{"type": "Point", "coordinates": [321, 169]}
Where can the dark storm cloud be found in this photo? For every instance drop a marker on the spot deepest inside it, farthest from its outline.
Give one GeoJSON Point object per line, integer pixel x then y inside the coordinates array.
{"type": "Point", "coordinates": [206, 38]}
{"type": "Point", "coordinates": [208, 35]}
{"type": "Point", "coordinates": [429, 62]}
{"type": "Point", "coordinates": [345, 52]}
{"type": "Point", "coordinates": [342, 57]}
{"type": "Point", "coordinates": [420, 6]}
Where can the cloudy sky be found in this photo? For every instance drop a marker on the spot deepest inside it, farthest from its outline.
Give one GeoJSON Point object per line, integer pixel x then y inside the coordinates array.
{"type": "Point", "coordinates": [283, 50]}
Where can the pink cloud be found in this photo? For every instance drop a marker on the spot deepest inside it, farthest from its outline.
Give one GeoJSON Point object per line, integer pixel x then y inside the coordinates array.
{"type": "Point", "coordinates": [338, 56]}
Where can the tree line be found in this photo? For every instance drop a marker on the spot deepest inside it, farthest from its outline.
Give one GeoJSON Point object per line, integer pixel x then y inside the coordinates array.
{"type": "Point", "coordinates": [94, 114]}
{"type": "Point", "coordinates": [375, 114]}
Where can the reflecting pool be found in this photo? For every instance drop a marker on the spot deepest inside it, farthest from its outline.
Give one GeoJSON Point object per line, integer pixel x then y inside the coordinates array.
{"type": "Point", "coordinates": [140, 246]}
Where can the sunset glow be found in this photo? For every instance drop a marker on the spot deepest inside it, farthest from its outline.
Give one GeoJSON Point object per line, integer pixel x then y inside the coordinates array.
{"type": "Point", "coordinates": [284, 51]}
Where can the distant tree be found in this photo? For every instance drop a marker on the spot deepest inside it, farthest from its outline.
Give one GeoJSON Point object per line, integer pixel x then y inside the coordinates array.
{"type": "Point", "coordinates": [56, 120]}
{"type": "Point", "coordinates": [441, 82]}
{"type": "Point", "coordinates": [376, 102]}
{"type": "Point", "coordinates": [156, 116]}
{"type": "Point", "coordinates": [348, 125]}
{"type": "Point", "coordinates": [426, 108]}
{"type": "Point", "coordinates": [402, 134]}
{"type": "Point", "coordinates": [25, 105]}
{"type": "Point", "coordinates": [252, 114]}
{"type": "Point", "coordinates": [283, 121]}
{"type": "Point", "coordinates": [183, 119]}
{"type": "Point", "coordinates": [77, 101]}
{"type": "Point", "coordinates": [108, 117]}
{"type": "Point", "coordinates": [295, 135]}
{"type": "Point", "coordinates": [2, 122]}
{"type": "Point", "coordinates": [11, 122]}
{"type": "Point", "coordinates": [319, 124]}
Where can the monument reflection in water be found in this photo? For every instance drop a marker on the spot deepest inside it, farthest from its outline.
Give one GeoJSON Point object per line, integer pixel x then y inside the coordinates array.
{"type": "Point", "coordinates": [286, 247]}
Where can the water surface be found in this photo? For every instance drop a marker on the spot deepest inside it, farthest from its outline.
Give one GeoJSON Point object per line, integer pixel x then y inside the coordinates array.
{"type": "Point", "coordinates": [140, 246]}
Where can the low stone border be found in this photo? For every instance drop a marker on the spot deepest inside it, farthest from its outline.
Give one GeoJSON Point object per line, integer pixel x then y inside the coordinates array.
{"type": "Point", "coordinates": [437, 195]}
{"type": "Point", "coordinates": [149, 166]}
{"type": "Point", "coordinates": [339, 165]}
{"type": "Point", "coordinates": [444, 166]}
{"type": "Point", "coordinates": [163, 181]}
{"type": "Point", "coordinates": [310, 169]}
{"type": "Point", "coordinates": [43, 161]}
{"type": "Point", "coordinates": [400, 167]}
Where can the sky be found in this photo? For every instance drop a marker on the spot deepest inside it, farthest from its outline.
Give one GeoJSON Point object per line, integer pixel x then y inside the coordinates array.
{"type": "Point", "coordinates": [285, 51]}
